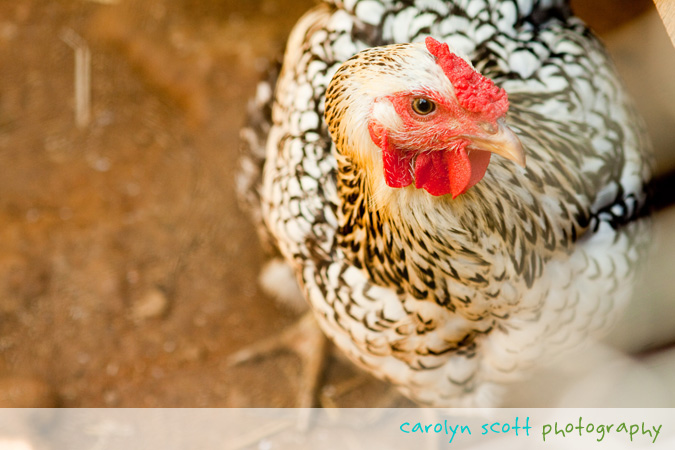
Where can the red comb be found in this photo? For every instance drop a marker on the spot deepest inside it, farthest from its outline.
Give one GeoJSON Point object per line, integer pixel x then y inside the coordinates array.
{"type": "Point", "coordinates": [474, 92]}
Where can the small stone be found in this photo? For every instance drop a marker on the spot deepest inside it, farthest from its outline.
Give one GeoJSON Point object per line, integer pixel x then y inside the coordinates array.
{"type": "Point", "coordinates": [191, 353]}
{"type": "Point", "coordinates": [133, 276]}
{"type": "Point", "coordinates": [169, 346]}
{"type": "Point", "coordinates": [26, 392]}
{"type": "Point", "coordinates": [112, 369]}
{"type": "Point", "coordinates": [111, 398]}
{"type": "Point", "coordinates": [151, 305]}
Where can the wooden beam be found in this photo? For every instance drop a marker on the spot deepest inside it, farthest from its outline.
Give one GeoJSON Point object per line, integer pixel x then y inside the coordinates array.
{"type": "Point", "coordinates": [666, 9]}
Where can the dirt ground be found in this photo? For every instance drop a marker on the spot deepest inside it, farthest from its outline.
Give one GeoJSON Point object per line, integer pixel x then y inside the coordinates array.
{"type": "Point", "coordinates": [127, 272]}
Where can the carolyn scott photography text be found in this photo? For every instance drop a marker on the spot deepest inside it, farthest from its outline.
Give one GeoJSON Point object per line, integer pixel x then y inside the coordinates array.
{"type": "Point", "coordinates": [548, 431]}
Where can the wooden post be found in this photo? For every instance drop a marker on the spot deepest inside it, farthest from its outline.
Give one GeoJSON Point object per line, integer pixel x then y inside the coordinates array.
{"type": "Point", "coordinates": [666, 9]}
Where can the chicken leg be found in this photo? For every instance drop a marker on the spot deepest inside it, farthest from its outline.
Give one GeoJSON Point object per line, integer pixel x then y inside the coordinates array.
{"type": "Point", "coordinates": [307, 341]}
{"type": "Point", "coordinates": [304, 338]}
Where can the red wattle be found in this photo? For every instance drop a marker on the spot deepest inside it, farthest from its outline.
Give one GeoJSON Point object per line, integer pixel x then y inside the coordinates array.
{"type": "Point", "coordinates": [440, 172]}
{"type": "Point", "coordinates": [459, 169]}
{"type": "Point", "coordinates": [451, 171]}
{"type": "Point", "coordinates": [431, 173]}
{"type": "Point", "coordinates": [479, 160]}
{"type": "Point", "coordinates": [396, 167]}
{"type": "Point", "coordinates": [396, 163]}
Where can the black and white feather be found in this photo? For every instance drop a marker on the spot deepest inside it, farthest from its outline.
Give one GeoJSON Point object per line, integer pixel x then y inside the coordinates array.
{"type": "Point", "coordinates": [532, 261]}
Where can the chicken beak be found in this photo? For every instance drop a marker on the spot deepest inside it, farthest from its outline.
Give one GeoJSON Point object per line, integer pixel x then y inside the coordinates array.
{"type": "Point", "coordinates": [501, 141]}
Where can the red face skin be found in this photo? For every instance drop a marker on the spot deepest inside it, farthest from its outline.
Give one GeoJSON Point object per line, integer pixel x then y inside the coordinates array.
{"type": "Point", "coordinates": [435, 145]}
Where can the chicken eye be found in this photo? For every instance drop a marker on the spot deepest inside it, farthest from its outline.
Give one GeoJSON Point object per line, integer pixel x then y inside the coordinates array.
{"type": "Point", "coordinates": [423, 107]}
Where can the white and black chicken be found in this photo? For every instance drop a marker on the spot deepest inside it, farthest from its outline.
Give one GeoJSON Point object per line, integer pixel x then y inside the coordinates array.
{"type": "Point", "coordinates": [457, 186]}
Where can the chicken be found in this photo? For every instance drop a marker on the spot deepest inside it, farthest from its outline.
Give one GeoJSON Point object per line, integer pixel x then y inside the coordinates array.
{"type": "Point", "coordinates": [458, 187]}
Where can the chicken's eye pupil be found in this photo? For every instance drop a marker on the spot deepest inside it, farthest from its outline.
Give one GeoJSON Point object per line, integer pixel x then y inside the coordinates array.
{"type": "Point", "coordinates": [422, 106]}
